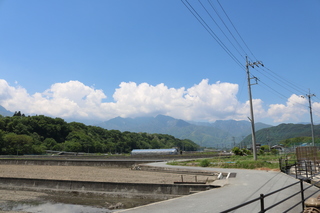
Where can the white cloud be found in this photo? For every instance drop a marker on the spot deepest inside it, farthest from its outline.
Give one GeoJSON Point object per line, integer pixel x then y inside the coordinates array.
{"type": "Point", "coordinates": [70, 99]}
{"type": "Point", "coordinates": [294, 109]}
{"type": "Point", "coordinates": [203, 101]}
{"type": "Point", "coordinates": [316, 108]}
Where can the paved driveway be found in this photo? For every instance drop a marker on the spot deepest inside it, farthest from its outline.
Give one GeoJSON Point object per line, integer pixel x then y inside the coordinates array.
{"type": "Point", "coordinates": [247, 185]}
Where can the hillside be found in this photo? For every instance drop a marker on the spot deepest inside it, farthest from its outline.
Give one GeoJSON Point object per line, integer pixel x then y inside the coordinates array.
{"type": "Point", "coordinates": [217, 134]}
{"type": "Point", "coordinates": [273, 135]}
{"type": "Point", "coordinates": [21, 134]}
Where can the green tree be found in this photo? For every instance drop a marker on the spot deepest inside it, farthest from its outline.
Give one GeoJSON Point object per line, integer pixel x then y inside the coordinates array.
{"type": "Point", "coordinates": [18, 144]}
{"type": "Point", "coordinates": [49, 143]}
{"type": "Point", "coordinates": [72, 146]}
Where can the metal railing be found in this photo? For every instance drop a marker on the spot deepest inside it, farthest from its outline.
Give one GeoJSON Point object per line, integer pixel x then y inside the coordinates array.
{"type": "Point", "coordinates": [264, 196]}
{"type": "Point", "coordinates": [302, 168]}
{"type": "Point", "coordinates": [308, 169]}
{"type": "Point", "coordinates": [286, 164]}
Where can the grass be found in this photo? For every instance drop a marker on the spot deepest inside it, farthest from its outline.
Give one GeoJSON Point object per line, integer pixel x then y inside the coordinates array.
{"type": "Point", "coordinates": [241, 162]}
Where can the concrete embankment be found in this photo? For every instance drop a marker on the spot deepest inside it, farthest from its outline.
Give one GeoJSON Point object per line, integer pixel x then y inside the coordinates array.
{"type": "Point", "coordinates": [76, 162]}
{"type": "Point", "coordinates": [147, 167]}
{"type": "Point", "coordinates": [134, 188]}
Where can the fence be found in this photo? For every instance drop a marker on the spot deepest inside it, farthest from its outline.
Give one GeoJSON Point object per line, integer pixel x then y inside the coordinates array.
{"type": "Point", "coordinates": [305, 169]}
{"type": "Point", "coordinates": [286, 164]}
{"type": "Point", "coordinates": [264, 196]}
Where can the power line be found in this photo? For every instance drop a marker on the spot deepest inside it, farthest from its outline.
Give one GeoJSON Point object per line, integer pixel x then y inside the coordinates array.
{"type": "Point", "coordinates": [212, 6]}
{"type": "Point", "coordinates": [269, 74]}
{"type": "Point", "coordinates": [279, 84]}
{"type": "Point", "coordinates": [219, 27]}
{"type": "Point", "coordinates": [274, 91]}
{"type": "Point", "coordinates": [284, 81]}
{"type": "Point", "coordinates": [280, 95]}
{"type": "Point", "coordinates": [236, 30]}
{"type": "Point", "coordinates": [210, 31]}
{"type": "Point", "coordinates": [273, 74]}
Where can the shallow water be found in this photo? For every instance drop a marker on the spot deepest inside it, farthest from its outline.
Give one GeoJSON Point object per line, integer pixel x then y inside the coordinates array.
{"type": "Point", "coordinates": [53, 208]}
{"type": "Point", "coordinates": [77, 202]}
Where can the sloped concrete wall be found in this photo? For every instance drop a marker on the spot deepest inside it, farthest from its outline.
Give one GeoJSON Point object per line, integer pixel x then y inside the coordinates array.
{"type": "Point", "coordinates": [137, 188]}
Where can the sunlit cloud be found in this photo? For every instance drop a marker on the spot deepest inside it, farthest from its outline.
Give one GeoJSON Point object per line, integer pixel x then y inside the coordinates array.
{"type": "Point", "coordinates": [293, 110]}
{"type": "Point", "coordinates": [201, 102]}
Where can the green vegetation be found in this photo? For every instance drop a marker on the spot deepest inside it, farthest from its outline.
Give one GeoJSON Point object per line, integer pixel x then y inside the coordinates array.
{"type": "Point", "coordinates": [22, 134]}
{"type": "Point", "coordinates": [235, 161]}
{"type": "Point", "coordinates": [297, 141]}
{"type": "Point", "coordinates": [241, 152]}
{"type": "Point", "coordinates": [204, 163]}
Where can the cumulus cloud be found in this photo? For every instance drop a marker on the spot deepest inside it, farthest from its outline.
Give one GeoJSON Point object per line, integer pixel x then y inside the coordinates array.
{"type": "Point", "coordinates": [293, 110]}
{"type": "Point", "coordinates": [70, 99]}
{"type": "Point", "coordinates": [203, 101]}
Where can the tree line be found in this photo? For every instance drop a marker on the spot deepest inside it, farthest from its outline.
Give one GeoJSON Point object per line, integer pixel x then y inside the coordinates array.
{"type": "Point", "coordinates": [22, 134]}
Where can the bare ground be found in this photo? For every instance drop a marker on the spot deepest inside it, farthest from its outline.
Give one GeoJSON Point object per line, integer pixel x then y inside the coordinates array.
{"type": "Point", "coordinates": [83, 173]}
{"type": "Point", "coordinates": [87, 173]}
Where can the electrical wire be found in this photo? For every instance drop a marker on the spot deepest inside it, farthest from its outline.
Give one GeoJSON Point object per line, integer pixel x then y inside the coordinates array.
{"type": "Point", "coordinates": [280, 95]}
{"type": "Point", "coordinates": [220, 27]}
{"type": "Point", "coordinates": [275, 75]}
{"type": "Point", "coordinates": [236, 30]}
{"type": "Point", "coordinates": [210, 31]}
{"type": "Point", "coordinates": [279, 84]}
{"type": "Point", "coordinates": [284, 81]}
{"type": "Point", "coordinates": [276, 79]}
{"type": "Point", "coordinates": [212, 6]}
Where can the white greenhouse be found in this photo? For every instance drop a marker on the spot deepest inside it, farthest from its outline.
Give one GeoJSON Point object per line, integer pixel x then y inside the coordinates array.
{"type": "Point", "coordinates": [172, 151]}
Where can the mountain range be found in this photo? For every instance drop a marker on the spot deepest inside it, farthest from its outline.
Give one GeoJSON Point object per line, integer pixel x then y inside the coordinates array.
{"type": "Point", "coordinates": [5, 112]}
{"type": "Point", "coordinates": [218, 134]}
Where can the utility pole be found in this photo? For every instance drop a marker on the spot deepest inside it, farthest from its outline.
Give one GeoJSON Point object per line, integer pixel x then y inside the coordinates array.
{"type": "Point", "coordinates": [310, 107]}
{"type": "Point", "coordinates": [268, 139]}
{"type": "Point", "coordinates": [243, 144]}
{"type": "Point", "coordinates": [254, 148]}
{"type": "Point", "coordinates": [234, 142]}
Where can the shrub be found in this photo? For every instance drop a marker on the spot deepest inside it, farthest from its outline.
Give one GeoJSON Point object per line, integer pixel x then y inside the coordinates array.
{"type": "Point", "coordinates": [246, 152]}
{"type": "Point", "coordinates": [237, 151]}
{"type": "Point", "coordinates": [204, 163]}
{"type": "Point", "coordinates": [261, 152]}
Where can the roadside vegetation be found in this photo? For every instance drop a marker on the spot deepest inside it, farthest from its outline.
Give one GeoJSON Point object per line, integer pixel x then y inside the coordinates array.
{"type": "Point", "coordinates": [241, 159]}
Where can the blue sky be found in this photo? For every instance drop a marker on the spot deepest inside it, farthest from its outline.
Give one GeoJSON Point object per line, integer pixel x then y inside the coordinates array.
{"type": "Point", "coordinates": [95, 60]}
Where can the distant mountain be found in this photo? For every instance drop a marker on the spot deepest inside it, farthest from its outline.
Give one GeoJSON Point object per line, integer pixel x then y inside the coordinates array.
{"type": "Point", "coordinates": [273, 135]}
{"type": "Point", "coordinates": [144, 124]}
{"type": "Point", "coordinates": [219, 133]}
{"type": "Point", "coordinates": [5, 112]}
{"type": "Point", "coordinates": [237, 128]}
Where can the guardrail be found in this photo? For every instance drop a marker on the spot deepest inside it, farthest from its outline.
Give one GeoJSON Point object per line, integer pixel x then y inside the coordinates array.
{"type": "Point", "coordinates": [264, 196]}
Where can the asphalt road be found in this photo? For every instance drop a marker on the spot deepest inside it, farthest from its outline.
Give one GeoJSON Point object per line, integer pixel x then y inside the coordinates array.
{"type": "Point", "coordinates": [247, 185]}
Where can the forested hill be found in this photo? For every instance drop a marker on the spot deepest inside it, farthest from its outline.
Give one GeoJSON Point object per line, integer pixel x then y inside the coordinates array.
{"type": "Point", "coordinates": [276, 134]}
{"type": "Point", "coordinates": [21, 134]}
